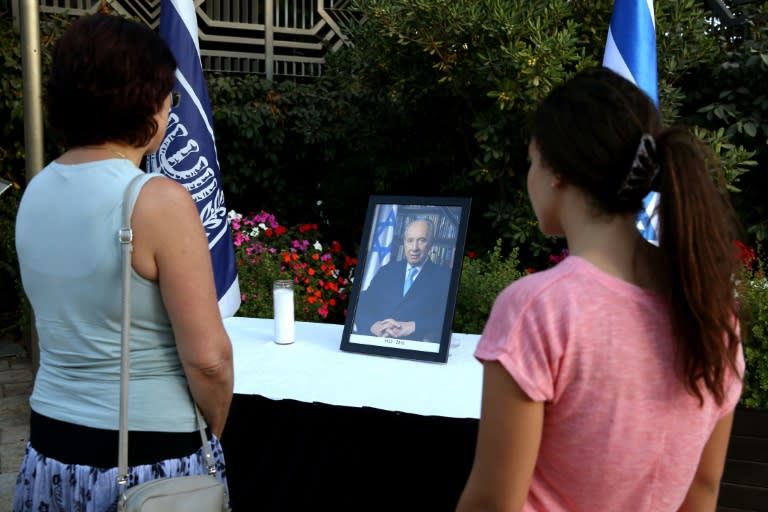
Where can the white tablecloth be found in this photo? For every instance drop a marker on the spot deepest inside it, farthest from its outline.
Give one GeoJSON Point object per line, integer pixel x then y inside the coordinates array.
{"type": "Point", "coordinates": [313, 369]}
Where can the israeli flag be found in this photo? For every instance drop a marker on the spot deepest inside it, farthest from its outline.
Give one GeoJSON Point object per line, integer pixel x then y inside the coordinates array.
{"type": "Point", "coordinates": [631, 52]}
{"type": "Point", "coordinates": [380, 251]}
{"type": "Point", "coordinates": [188, 152]}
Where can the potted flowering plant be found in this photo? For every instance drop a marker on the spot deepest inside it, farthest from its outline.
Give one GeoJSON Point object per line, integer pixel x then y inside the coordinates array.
{"type": "Point", "coordinates": [266, 250]}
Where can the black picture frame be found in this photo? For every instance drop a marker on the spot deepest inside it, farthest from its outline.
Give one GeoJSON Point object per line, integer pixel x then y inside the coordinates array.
{"type": "Point", "coordinates": [4, 185]}
{"type": "Point", "coordinates": [382, 319]}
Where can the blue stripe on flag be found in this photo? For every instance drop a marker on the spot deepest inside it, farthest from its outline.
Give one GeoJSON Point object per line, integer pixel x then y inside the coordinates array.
{"type": "Point", "coordinates": [633, 32]}
{"type": "Point", "coordinates": [631, 51]}
{"type": "Point", "coordinates": [188, 151]}
{"type": "Point", "coordinates": [380, 251]}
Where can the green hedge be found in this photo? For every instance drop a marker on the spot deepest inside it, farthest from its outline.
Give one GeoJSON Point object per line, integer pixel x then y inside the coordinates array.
{"type": "Point", "coordinates": [755, 298]}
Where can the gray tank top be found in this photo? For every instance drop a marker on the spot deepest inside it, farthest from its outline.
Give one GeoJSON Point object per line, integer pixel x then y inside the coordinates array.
{"type": "Point", "coordinates": [69, 255]}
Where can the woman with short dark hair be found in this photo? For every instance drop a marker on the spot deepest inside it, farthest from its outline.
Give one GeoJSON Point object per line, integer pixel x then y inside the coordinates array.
{"type": "Point", "coordinates": [109, 97]}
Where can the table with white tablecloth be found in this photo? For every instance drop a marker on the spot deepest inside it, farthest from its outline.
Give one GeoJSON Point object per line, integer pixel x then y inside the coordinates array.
{"type": "Point", "coordinates": [313, 427]}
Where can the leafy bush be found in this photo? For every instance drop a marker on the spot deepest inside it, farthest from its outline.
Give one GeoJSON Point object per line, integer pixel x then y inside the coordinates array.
{"type": "Point", "coordinates": [14, 309]}
{"type": "Point", "coordinates": [730, 97]}
{"type": "Point", "coordinates": [482, 279]}
{"type": "Point", "coordinates": [755, 329]}
{"type": "Point", "coordinates": [299, 151]}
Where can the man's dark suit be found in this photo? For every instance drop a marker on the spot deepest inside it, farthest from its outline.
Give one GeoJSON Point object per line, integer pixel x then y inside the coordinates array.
{"type": "Point", "coordinates": [424, 303]}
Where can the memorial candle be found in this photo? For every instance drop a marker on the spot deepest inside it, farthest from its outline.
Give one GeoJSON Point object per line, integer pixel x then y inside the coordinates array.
{"type": "Point", "coordinates": [282, 295]}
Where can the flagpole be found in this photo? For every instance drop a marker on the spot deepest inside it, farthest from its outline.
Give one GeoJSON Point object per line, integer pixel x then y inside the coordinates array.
{"type": "Point", "coordinates": [33, 120]}
{"type": "Point", "coordinates": [269, 31]}
{"type": "Point", "coordinates": [30, 72]}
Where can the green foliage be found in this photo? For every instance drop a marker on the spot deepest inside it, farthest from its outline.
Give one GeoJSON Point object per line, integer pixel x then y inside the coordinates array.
{"type": "Point", "coordinates": [431, 99]}
{"type": "Point", "coordinates": [755, 302]}
{"type": "Point", "coordinates": [482, 279]}
{"type": "Point", "coordinates": [517, 224]}
{"type": "Point", "coordinates": [729, 97]}
{"type": "Point", "coordinates": [732, 160]}
{"type": "Point", "coordinates": [302, 151]}
{"type": "Point", "coordinates": [256, 278]}
{"type": "Point", "coordinates": [459, 78]}
{"type": "Point", "coordinates": [14, 309]}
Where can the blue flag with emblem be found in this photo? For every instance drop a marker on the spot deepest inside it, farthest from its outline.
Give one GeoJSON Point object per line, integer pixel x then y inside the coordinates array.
{"type": "Point", "coordinates": [631, 52]}
{"type": "Point", "coordinates": [188, 151]}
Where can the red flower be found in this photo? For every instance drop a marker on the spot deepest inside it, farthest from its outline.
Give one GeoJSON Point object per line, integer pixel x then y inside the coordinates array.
{"type": "Point", "coordinates": [321, 278]}
{"type": "Point", "coordinates": [471, 255]}
{"type": "Point", "coordinates": [745, 253]}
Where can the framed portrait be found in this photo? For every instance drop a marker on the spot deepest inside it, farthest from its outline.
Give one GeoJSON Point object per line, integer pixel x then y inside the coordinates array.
{"type": "Point", "coordinates": [404, 293]}
{"type": "Point", "coordinates": [4, 185]}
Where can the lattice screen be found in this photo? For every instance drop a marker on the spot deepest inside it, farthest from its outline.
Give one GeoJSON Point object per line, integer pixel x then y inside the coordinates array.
{"type": "Point", "coordinates": [239, 36]}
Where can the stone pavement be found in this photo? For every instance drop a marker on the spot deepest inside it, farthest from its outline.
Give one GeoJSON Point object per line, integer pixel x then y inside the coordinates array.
{"type": "Point", "coordinates": [15, 387]}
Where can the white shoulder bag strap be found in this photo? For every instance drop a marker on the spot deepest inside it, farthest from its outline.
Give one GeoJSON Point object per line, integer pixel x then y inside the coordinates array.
{"type": "Point", "coordinates": [126, 241]}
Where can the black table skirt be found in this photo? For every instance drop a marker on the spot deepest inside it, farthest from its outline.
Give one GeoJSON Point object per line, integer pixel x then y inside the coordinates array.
{"type": "Point", "coordinates": [286, 455]}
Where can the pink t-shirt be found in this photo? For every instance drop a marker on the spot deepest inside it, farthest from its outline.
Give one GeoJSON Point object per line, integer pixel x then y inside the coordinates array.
{"type": "Point", "coordinates": [620, 431]}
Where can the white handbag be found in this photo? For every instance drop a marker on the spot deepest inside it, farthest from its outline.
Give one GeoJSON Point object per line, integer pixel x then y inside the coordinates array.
{"type": "Point", "coordinates": [199, 493]}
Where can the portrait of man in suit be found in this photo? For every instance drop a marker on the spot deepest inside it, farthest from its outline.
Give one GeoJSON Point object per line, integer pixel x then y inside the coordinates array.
{"type": "Point", "coordinates": [407, 298]}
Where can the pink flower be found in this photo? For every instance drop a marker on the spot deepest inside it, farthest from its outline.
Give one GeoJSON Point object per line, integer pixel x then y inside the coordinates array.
{"type": "Point", "coordinates": [240, 238]}
{"type": "Point", "coordinates": [554, 259]}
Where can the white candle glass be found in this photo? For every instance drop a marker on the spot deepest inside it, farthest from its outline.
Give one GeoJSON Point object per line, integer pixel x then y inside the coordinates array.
{"type": "Point", "coordinates": [282, 296]}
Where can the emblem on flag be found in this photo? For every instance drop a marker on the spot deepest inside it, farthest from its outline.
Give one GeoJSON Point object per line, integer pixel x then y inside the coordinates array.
{"type": "Point", "coordinates": [188, 151]}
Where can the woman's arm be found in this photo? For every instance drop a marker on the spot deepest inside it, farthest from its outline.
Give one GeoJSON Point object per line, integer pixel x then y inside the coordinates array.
{"type": "Point", "coordinates": [508, 441]}
{"type": "Point", "coordinates": [172, 248]}
{"type": "Point", "coordinates": [702, 495]}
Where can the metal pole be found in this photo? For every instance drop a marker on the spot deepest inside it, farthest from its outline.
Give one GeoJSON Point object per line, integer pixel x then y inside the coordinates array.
{"type": "Point", "coordinates": [30, 64]}
{"type": "Point", "coordinates": [269, 36]}
{"type": "Point", "coordinates": [33, 115]}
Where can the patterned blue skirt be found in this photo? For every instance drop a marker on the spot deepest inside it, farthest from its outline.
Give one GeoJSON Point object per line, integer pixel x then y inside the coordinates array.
{"type": "Point", "coordinates": [47, 485]}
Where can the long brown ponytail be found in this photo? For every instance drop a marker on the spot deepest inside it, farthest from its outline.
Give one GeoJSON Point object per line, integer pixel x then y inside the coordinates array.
{"type": "Point", "coordinates": [589, 130]}
{"type": "Point", "coordinates": [698, 229]}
